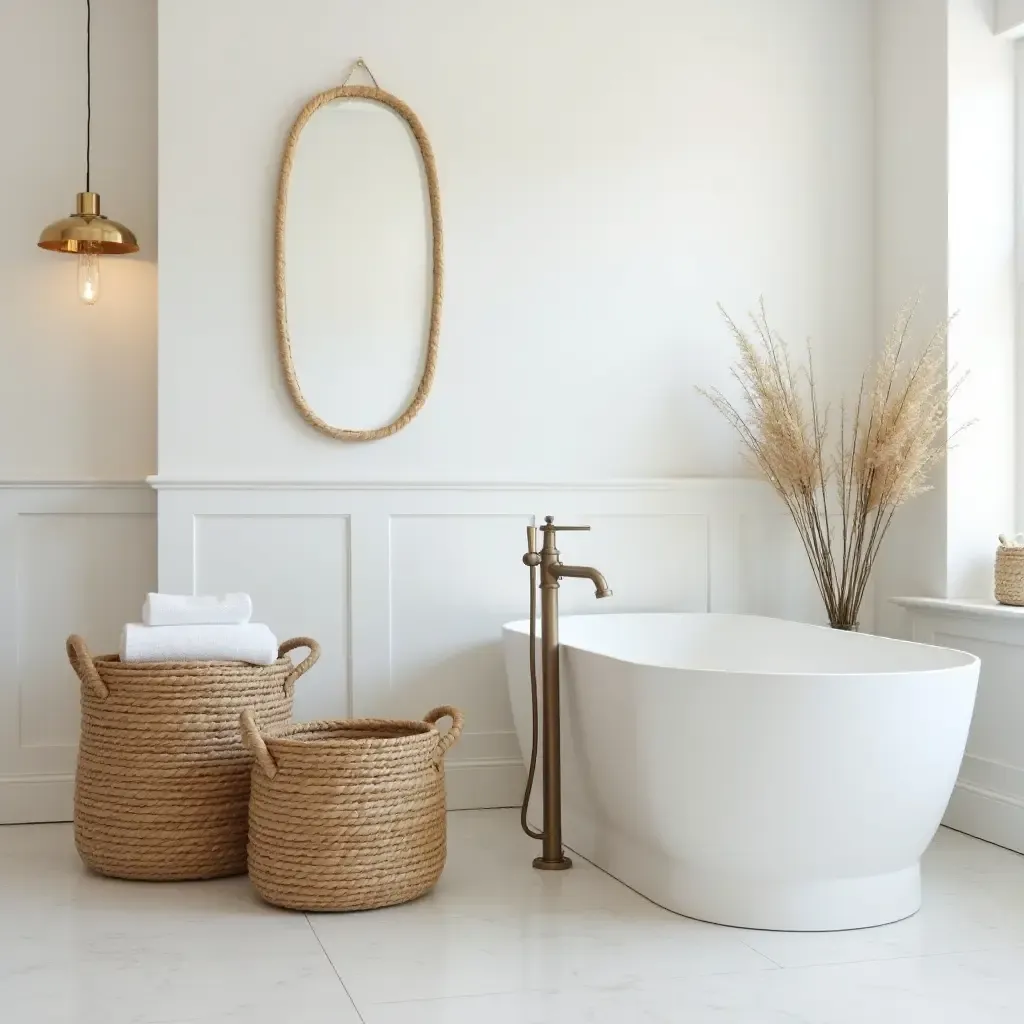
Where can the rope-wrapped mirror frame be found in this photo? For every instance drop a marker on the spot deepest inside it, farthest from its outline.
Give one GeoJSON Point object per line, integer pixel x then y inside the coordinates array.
{"type": "Point", "coordinates": [377, 95]}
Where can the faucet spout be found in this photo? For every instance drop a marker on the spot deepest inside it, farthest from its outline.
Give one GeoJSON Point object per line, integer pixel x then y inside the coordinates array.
{"type": "Point", "coordinates": [585, 572]}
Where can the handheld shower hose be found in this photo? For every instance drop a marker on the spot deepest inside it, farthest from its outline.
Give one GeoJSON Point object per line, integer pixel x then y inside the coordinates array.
{"type": "Point", "coordinates": [531, 537]}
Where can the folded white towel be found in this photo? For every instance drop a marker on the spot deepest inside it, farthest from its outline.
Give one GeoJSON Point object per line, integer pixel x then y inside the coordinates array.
{"type": "Point", "coordinates": [186, 610]}
{"type": "Point", "coordinates": [252, 642]}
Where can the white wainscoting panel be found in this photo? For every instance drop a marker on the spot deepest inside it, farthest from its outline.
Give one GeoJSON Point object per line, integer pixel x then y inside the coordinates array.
{"type": "Point", "coordinates": [74, 558]}
{"type": "Point", "coordinates": [407, 585]}
{"type": "Point", "coordinates": [295, 567]}
{"type": "Point", "coordinates": [777, 575]}
{"type": "Point", "coordinates": [652, 562]}
{"type": "Point", "coordinates": [988, 801]}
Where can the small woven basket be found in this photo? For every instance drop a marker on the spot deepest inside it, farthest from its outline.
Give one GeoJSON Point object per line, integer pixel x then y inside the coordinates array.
{"type": "Point", "coordinates": [162, 788]}
{"type": "Point", "coordinates": [347, 815]}
{"type": "Point", "coordinates": [1009, 574]}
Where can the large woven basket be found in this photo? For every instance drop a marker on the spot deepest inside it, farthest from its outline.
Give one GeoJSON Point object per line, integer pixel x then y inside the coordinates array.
{"type": "Point", "coordinates": [1009, 574]}
{"type": "Point", "coordinates": [347, 815]}
{"type": "Point", "coordinates": [162, 789]}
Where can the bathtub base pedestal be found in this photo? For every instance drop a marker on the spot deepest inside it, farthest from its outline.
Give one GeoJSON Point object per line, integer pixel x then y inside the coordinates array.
{"type": "Point", "coordinates": [794, 906]}
{"type": "Point", "coordinates": [750, 901]}
{"type": "Point", "coordinates": [747, 900]}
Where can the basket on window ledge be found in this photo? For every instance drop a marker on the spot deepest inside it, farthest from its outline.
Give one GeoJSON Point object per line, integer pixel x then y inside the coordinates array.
{"type": "Point", "coordinates": [162, 788]}
{"type": "Point", "coordinates": [1009, 581]}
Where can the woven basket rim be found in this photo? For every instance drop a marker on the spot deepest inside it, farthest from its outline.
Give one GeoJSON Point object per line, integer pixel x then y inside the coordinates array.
{"type": "Point", "coordinates": [113, 661]}
{"type": "Point", "coordinates": [330, 732]}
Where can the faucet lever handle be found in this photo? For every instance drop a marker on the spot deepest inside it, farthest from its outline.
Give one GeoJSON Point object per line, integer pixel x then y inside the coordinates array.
{"type": "Point", "coordinates": [549, 525]}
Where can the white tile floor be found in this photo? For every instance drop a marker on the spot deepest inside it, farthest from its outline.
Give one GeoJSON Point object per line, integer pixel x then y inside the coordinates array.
{"type": "Point", "coordinates": [496, 942]}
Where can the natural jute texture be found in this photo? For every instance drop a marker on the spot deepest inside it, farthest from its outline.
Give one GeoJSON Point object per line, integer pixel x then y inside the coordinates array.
{"type": "Point", "coordinates": [162, 789]}
{"type": "Point", "coordinates": [284, 344]}
{"type": "Point", "coordinates": [347, 815]}
{"type": "Point", "coordinates": [1009, 582]}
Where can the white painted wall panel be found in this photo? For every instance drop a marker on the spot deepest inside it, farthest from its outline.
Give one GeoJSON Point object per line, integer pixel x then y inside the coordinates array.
{"type": "Point", "coordinates": [653, 562]}
{"type": "Point", "coordinates": [609, 170]}
{"type": "Point", "coordinates": [451, 579]}
{"type": "Point", "coordinates": [81, 573]}
{"type": "Point", "coordinates": [79, 397]}
{"type": "Point", "coordinates": [988, 801]}
{"type": "Point", "coordinates": [434, 570]}
{"type": "Point", "coordinates": [73, 559]}
{"type": "Point", "coordinates": [295, 567]}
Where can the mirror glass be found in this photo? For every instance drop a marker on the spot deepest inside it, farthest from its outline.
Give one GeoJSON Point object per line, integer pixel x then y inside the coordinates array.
{"type": "Point", "coordinates": [358, 263]}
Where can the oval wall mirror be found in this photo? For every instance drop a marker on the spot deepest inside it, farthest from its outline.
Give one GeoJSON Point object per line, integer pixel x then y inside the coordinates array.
{"type": "Point", "coordinates": [359, 263]}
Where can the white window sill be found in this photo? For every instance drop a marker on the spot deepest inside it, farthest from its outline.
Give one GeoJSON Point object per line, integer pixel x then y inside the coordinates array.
{"type": "Point", "coordinates": [972, 607]}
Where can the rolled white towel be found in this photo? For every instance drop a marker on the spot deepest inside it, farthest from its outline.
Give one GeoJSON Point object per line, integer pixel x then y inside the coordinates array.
{"type": "Point", "coordinates": [188, 610]}
{"type": "Point", "coordinates": [252, 642]}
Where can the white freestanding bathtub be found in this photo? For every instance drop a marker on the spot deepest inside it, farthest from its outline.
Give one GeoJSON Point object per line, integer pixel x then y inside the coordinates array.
{"type": "Point", "coordinates": [752, 771]}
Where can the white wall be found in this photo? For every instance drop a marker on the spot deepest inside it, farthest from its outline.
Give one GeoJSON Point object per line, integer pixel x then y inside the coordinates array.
{"type": "Point", "coordinates": [982, 293]}
{"type": "Point", "coordinates": [945, 224]}
{"type": "Point", "coordinates": [81, 400]}
{"type": "Point", "coordinates": [78, 552]}
{"type": "Point", "coordinates": [609, 171]}
{"type": "Point", "coordinates": [1009, 18]}
{"type": "Point", "coordinates": [945, 229]}
{"type": "Point", "coordinates": [911, 254]}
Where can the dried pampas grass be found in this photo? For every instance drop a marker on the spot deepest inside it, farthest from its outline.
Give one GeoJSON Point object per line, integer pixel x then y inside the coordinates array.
{"type": "Point", "coordinates": [841, 495]}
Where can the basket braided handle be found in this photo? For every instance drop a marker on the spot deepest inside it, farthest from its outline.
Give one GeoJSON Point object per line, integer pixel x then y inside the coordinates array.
{"type": "Point", "coordinates": [303, 666]}
{"type": "Point", "coordinates": [253, 742]}
{"type": "Point", "coordinates": [447, 741]}
{"type": "Point", "coordinates": [85, 667]}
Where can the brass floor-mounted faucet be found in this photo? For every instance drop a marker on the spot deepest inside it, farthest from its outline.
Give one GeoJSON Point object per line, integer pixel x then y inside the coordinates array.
{"type": "Point", "coordinates": [549, 563]}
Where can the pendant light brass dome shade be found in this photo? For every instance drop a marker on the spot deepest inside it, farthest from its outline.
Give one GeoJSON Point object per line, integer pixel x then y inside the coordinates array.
{"type": "Point", "coordinates": [88, 231]}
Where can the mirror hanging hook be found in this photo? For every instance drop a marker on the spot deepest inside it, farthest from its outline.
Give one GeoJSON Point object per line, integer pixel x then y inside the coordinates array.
{"type": "Point", "coordinates": [360, 63]}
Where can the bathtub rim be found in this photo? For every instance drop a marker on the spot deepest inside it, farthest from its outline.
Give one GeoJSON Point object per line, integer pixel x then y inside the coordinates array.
{"type": "Point", "coordinates": [521, 627]}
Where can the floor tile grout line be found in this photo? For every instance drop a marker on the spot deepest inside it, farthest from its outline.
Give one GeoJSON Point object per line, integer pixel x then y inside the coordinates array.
{"type": "Point", "coordinates": [753, 949]}
{"type": "Point", "coordinates": [619, 881]}
{"type": "Point", "coordinates": [672, 980]}
{"type": "Point", "coordinates": [570, 989]}
{"type": "Point", "coordinates": [903, 956]}
{"type": "Point", "coordinates": [798, 967]}
{"type": "Point", "coordinates": [334, 968]}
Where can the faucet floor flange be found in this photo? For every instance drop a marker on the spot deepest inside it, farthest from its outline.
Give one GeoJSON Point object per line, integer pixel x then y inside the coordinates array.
{"type": "Point", "coordinates": [562, 864]}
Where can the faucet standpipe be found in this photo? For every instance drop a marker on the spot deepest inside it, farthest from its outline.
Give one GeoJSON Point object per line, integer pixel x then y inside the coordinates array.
{"type": "Point", "coordinates": [552, 569]}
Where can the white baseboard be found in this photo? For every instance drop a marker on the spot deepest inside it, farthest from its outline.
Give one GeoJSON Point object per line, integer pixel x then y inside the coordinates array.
{"type": "Point", "coordinates": [32, 799]}
{"type": "Point", "coordinates": [486, 782]}
{"type": "Point", "coordinates": [994, 817]}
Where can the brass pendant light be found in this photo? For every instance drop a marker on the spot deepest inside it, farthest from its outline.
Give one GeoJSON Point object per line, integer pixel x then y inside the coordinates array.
{"type": "Point", "coordinates": [87, 233]}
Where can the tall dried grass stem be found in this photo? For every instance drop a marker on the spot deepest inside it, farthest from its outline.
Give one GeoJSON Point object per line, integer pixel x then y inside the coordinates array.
{"type": "Point", "coordinates": [841, 495]}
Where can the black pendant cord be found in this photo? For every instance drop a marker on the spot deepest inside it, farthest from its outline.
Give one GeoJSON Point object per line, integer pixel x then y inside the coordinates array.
{"type": "Point", "coordinates": [88, 93]}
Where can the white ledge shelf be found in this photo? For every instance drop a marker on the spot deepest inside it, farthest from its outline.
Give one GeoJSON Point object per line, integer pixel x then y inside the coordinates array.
{"type": "Point", "coordinates": [973, 607]}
